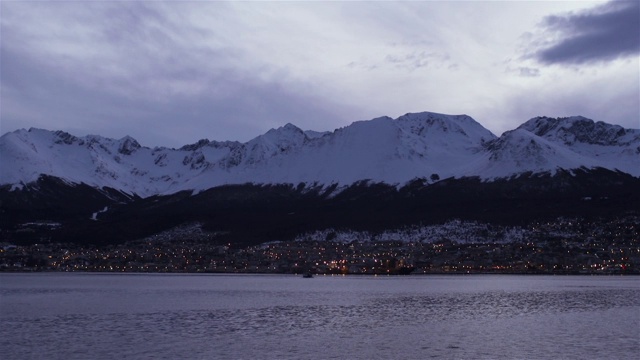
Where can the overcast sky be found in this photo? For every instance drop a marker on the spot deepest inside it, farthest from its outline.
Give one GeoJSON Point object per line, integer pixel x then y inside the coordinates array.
{"type": "Point", "coordinates": [170, 73]}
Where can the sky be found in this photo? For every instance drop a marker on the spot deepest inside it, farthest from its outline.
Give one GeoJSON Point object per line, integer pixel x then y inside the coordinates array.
{"type": "Point", "coordinates": [169, 73]}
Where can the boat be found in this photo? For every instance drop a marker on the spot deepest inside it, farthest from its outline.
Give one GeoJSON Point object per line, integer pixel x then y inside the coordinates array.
{"type": "Point", "coordinates": [307, 275]}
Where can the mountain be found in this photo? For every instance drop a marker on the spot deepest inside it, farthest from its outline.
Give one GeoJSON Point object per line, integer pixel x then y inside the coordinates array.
{"type": "Point", "coordinates": [609, 146]}
{"type": "Point", "coordinates": [378, 174]}
{"type": "Point", "coordinates": [379, 150]}
{"type": "Point", "coordinates": [520, 151]}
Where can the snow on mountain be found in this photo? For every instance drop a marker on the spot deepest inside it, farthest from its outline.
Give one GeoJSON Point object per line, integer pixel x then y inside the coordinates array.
{"type": "Point", "coordinates": [316, 134]}
{"type": "Point", "coordinates": [467, 232]}
{"type": "Point", "coordinates": [578, 129]}
{"type": "Point", "coordinates": [518, 151]}
{"type": "Point", "coordinates": [274, 143]}
{"type": "Point", "coordinates": [380, 150]}
{"type": "Point", "coordinates": [611, 146]}
{"type": "Point", "coordinates": [120, 164]}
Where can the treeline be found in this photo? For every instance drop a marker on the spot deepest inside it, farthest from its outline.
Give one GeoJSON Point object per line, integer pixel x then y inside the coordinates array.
{"type": "Point", "coordinates": [252, 214]}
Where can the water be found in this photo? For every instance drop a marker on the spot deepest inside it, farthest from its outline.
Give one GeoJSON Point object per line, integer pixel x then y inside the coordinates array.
{"type": "Point", "coordinates": [106, 316]}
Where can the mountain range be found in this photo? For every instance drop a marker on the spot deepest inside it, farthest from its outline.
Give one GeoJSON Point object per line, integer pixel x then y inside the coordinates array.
{"type": "Point", "coordinates": [428, 157]}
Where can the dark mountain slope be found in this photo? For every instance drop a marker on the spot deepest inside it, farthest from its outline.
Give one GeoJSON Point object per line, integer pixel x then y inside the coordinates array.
{"type": "Point", "coordinates": [251, 214]}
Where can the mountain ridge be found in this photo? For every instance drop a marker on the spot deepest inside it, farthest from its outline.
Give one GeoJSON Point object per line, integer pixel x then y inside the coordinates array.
{"type": "Point", "coordinates": [422, 145]}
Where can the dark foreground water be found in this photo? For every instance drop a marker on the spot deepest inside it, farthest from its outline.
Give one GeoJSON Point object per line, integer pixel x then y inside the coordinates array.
{"type": "Point", "coordinates": [100, 316]}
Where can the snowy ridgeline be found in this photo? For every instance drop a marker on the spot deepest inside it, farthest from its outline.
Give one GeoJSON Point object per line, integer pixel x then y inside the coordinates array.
{"type": "Point", "coordinates": [414, 146]}
{"type": "Point", "coordinates": [456, 231]}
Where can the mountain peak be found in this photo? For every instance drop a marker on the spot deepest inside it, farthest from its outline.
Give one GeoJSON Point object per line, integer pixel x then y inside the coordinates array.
{"type": "Point", "coordinates": [579, 129]}
{"type": "Point", "coordinates": [290, 127]}
{"type": "Point", "coordinates": [287, 128]}
{"type": "Point", "coordinates": [435, 126]}
{"type": "Point", "coordinates": [128, 145]}
{"type": "Point", "coordinates": [195, 146]}
{"type": "Point", "coordinates": [274, 142]}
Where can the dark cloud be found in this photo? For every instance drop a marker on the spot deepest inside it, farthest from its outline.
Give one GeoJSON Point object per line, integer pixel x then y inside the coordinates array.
{"type": "Point", "coordinates": [237, 107]}
{"type": "Point", "coordinates": [604, 33]}
{"type": "Point", "coordinates": [140, 72]}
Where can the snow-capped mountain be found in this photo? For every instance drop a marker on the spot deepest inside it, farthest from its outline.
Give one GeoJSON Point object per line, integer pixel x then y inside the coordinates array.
{"type": "Point", "coordinates": [518, 151]}
{"type": "Point", "coordinates": [392, 151]}
{"type": "Point", "coordinates": [609, 146]}
{"type": "Point", "coordinates": [578, 129]}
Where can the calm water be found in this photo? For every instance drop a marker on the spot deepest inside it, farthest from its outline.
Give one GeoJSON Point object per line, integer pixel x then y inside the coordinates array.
{"type": "Point", "coordinates": [99, 316]}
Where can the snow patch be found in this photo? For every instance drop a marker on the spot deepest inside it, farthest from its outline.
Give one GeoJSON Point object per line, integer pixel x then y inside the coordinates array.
{"type": "Point", "coordinates": [94, 216]}
{"type": "Point", "coordinates": [464, 232]}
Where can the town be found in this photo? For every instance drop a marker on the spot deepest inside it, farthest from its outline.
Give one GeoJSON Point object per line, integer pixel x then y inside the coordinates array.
{"type": "Point", "coordinates": [565, 246]}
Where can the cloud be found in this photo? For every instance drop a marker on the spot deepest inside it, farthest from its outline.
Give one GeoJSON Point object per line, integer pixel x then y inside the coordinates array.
{"type": "Point", "coordinates": [169, 73]}
{"type": "Point", "coordinates": [529, 72]}
{"type": "Point", "coordinates": [408, 61]}
{"type": "Point", "coordinates": [604, 33]}
{"type": "Point", "coordinates": [609, 95]}
{"type": "Point", "coordinates": [136, 69]}
{"type": "Point", "coordinates": [244, 107]}
{"type": "Point", "coordinates": [522, 71]}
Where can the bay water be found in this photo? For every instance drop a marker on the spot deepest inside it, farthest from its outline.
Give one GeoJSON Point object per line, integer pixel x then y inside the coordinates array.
{"type": "Point", "coordinates": [192, 316]}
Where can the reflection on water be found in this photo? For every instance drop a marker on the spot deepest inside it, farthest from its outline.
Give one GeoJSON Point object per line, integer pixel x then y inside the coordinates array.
{"type": "Point", "coordinates": [108, 316]}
